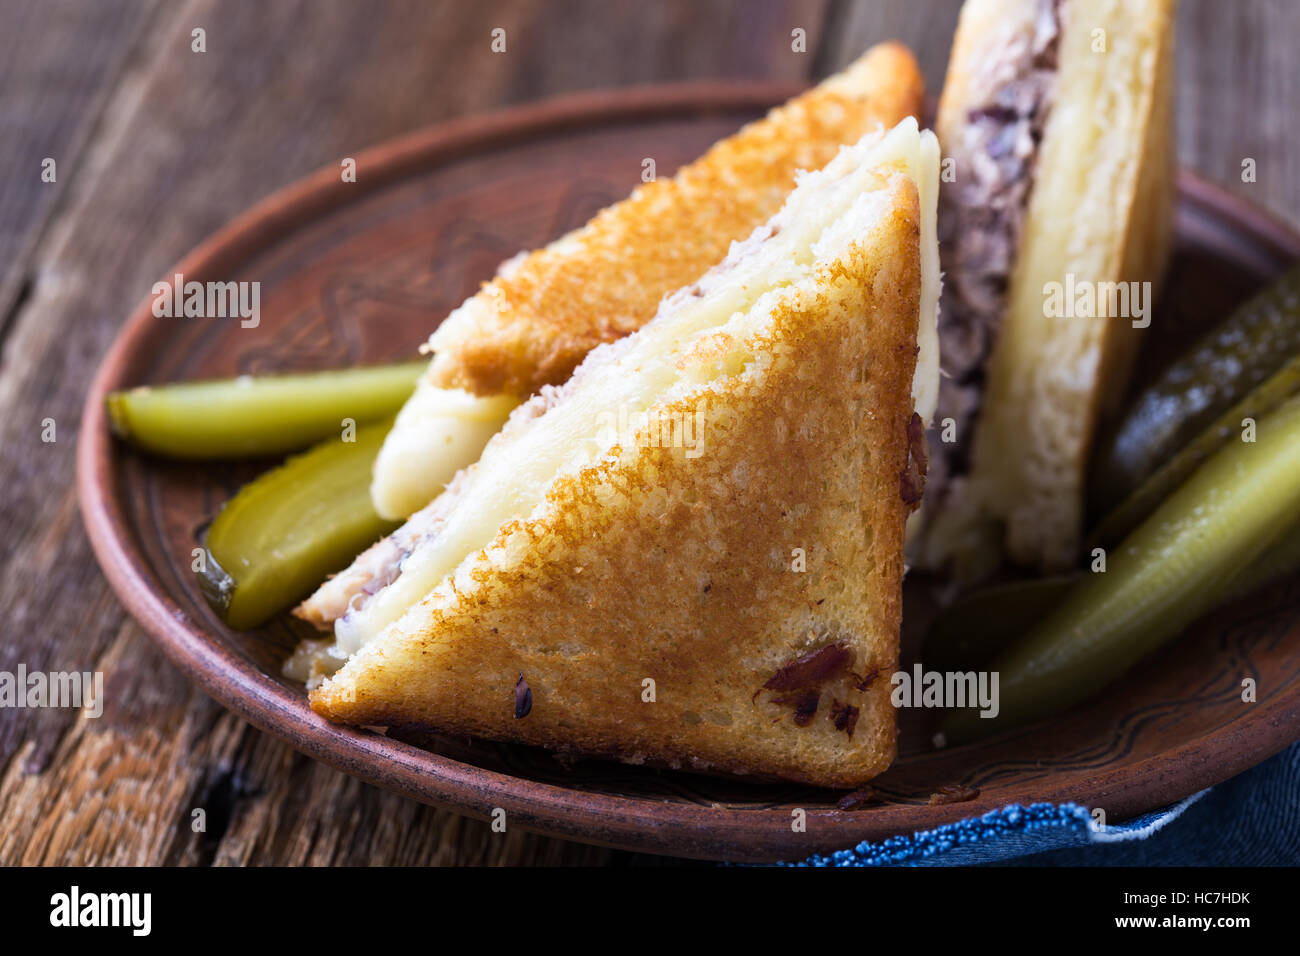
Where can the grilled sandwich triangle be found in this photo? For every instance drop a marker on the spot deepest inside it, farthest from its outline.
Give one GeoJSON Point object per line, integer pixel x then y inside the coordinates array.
{"type": "Point", "coordinates": [539, 316]}
{"type": "Point", "coordinates": [691, 553]}
{"type": "Point", "coordinates": [1062, 158]}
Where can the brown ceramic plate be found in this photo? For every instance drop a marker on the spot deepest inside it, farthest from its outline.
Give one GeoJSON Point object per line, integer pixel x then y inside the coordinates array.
{"type": "Point", "coordinates": [355, 273]}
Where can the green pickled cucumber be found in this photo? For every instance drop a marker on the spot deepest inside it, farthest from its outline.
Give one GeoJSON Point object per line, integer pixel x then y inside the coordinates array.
{"type": "Point", "coordinates": [1281, 560]}
{"type": "Point", "coordinates": [1182, 561]}
{"type": "Point", "coordinates": [286, 531]}
{"type": "Point", "coordinates": [1220, 370]}
{"type": "Point", "coordinates": [978, 626]}
{"type": "Point", "coordinates": [972, 631]}
{"type": "Point", "coordinates": [253, 416]}
{"type": "Point", "coordinates": [1228, 427]}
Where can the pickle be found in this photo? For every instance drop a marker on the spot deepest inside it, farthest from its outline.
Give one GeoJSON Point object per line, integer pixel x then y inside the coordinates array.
{"type": "Point", "coordinates": [1181, 562]}
{"type": "Point", "coordinates": [975, 628]}
{"type": "Point", "coordinates": [1281, 560]}
{"type": "Point", "coordinates": [1224, 366]}
{"type": "Point", "coordinates": [248, 417]}
{"type": "Point", "coordinates": [1226, 428]}
{"type": "Point", "coordinates": [286, 531]}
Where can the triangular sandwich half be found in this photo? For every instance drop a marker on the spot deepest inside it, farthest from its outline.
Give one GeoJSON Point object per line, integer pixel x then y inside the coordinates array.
{"type": "Point", "coordinates": [1057, 117]}
{"type": "Point", "coordinates": [536, 320]}
{"type": "Point", "coordinates": [691, 554]}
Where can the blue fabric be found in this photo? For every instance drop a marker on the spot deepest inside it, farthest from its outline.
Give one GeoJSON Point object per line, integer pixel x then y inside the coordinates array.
{"type": "Point", "coordinates": [1251, 820]}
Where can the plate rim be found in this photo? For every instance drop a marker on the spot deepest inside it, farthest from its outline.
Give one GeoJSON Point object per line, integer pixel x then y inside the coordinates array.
{"type": "Point", "coordinates": [635, 823]}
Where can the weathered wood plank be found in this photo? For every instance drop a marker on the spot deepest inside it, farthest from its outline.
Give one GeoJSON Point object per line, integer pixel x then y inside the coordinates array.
{"type": "Point", "coordinates": [1239, 97]}
{"type": "Point", "coordinates": [926, 27]}
{"type": "Point", "coordinates": [186, 141]}
{"type": "Point", "coordinates": [1238, 83]}
{"type": "Point", "coordinates": [51, 95]}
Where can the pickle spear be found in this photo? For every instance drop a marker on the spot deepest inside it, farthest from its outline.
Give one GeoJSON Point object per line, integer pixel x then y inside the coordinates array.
{"type": "Point", "coordinates": [1181, 562]}
{"type": "Point", "coordinates": [1228, 427]}
{"type": "Point", "coordinates": [289, 529]}
{"type": "Point", "coordinates": [1224, 366]}
{"type": "Point", "coordinates": [973, 630]}
{"type": "Point", "coordinates": [252, 416]}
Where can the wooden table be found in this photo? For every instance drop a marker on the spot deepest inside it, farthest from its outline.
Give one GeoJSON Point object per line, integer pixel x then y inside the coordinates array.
{"type": "Point", "coordinates": [155, 145]}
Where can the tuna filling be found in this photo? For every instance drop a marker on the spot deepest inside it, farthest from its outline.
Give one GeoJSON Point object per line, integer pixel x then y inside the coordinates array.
{"type": "Point", "coordinates": [981, 215]}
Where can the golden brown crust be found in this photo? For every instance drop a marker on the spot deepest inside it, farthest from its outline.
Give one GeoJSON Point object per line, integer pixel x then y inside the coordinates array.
{"type": "Point", "coordinates": [539, 322]}
{"type": "Point", "coordinates": [655, 565]}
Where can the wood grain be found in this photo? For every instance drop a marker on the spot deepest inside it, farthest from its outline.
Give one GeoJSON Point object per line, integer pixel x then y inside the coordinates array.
{"type": "Point", "coordinates": [1239, 97]}
{"type": "Point", "coordinates": [185, 141]}
{"type": "Point", "coordinates": [158, 146]}
{"type": "Point", "coordinates": [51, 96]}
{"type": "Point", "coordinates": [1238, 81]}
{"type": "Point", "coordinates": [925, 27]}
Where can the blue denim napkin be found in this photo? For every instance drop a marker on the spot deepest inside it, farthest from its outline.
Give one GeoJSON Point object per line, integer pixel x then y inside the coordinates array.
{"type": "Point", "coordinates": [1251, 820]}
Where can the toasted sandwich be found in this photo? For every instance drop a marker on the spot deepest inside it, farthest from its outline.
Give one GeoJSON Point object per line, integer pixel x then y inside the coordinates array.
{"type": "Point", "coordinates": [1056, 122]}
{"type": "Point", "coordinates": [536, 320]}
{"type": "Point", "coordinates": [691, 553]}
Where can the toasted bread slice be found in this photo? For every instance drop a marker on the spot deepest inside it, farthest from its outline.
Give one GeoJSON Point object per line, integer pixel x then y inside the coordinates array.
{"type": "Point", "coordinates": [1083, 89]}
{"type": "Point", "coordinates": [691, 553]}
{"type": "Point", "coordinates": [536, 320]}
{"type": "Point", "coordinates": [533, 324]}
